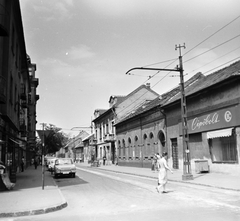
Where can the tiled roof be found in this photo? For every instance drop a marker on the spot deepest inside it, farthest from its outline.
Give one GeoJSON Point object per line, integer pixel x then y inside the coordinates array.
{"type": "Point", "coordinates": [205, 82]}
{"type": "Point", "coordinates": [195, 84]}
{"type": "Point", "coordinates": [120, 99]}
{"type": "Point", "coordinates": [101, 111]}
{"type": "Point", "coordinates": [139, 88]}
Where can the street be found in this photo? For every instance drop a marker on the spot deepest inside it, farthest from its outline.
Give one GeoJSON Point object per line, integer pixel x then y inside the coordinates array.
{"type": "Point", "coordinates": [101, 195]}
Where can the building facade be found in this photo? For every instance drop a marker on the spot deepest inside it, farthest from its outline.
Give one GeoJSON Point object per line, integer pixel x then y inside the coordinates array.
{"type": "Point", "coordinates": [119, 108]}
{"type": "Point", "coordinates": [213, 125]}
{"type": "Point", "coordinates": [17, 100]}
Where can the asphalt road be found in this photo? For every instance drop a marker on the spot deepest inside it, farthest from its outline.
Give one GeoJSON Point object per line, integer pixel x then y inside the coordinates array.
{"type": "Point", "coordinates": [100, 195]}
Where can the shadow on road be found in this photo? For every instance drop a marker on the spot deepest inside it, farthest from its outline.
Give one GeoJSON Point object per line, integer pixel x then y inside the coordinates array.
{"type": "Point", "coordinates": [69, 181]}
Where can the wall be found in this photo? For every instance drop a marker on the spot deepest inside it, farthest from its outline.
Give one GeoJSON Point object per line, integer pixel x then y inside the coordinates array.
{"type": "Point", "coordinates": [206, 102]}
{"type": "Point", "coordinates": [139, 152]}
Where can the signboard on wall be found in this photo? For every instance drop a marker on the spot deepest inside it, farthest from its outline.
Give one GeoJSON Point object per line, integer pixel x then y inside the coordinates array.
{"type": "Point", "coordinates": [223, 118]}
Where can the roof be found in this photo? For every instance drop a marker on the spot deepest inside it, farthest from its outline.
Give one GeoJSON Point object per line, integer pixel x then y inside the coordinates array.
{"type": "Point", "coordinates": [101, 111]}
{"type": "Point", "coordinates": [195, 84]}
{"type": "Point", "coordinates": [203, 82]}
{"type": "Point", "coordinates": [122, 98]}
{"type": "Point", "coordinates": [139, 88]}
{"type": "Point", "coordinates": [88, 137]}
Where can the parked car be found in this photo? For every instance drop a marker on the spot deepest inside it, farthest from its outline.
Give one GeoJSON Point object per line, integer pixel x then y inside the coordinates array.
{"type": "Point", "coordinates": [51, 163]}
{"type": "Point", "coordinates": [47, 160]}
{"type": "Point", "coordinates": [64, 166]}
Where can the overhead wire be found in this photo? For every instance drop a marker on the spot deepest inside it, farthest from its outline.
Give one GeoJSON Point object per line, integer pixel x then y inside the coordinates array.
{"type": "Point", "coordinates": [212, 34]}
{"type": "Point", "coordinates": [174, 60]}
{"type": "Point", "coordinates": [213, 60]}
{"type": "Point", "coordinates": [222, 64]}
{"type": "Point", "coordinates": [212, 48]}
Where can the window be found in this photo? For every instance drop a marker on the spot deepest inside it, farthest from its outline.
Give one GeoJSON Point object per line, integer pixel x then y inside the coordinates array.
{"type": "Point", "coordinates": [11, 90]}
{"type": "Point", "coordinates": [107, 129]}
{"type": "Point", "coordinates": [16, 58]}
{"type": "Point", "coordinates": [223, 149]}
{"type": "Point", "coordinates": [124, 152]}
{"type": "Point", "coordinates": [161, 137]}
{"type": "Point", "coordinates": [151, 135]}
{"type": "Point", "coordinates": [15, 99]}
{"type": "Point", "coordinates": [13, 40]}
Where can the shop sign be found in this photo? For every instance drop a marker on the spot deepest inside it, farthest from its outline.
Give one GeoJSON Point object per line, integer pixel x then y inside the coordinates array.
{"type": "Point", "coordinates": [215, 120]}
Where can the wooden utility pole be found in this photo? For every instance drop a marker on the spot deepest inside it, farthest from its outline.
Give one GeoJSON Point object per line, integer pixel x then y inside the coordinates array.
{"type": "Point", "coordinates": [186, 152]}
{"type": "Point", "coordinates": [43, 150]}
{"type": "Point", "coordinates": [187, 175]}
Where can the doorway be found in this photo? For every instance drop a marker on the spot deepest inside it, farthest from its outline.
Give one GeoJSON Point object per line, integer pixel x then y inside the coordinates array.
{"type": "Point", "coordinates": [175, 159]}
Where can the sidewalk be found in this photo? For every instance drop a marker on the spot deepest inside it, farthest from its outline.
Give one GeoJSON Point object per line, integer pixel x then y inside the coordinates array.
{"type": "Point", "coordinates": [214, 180]}
{"type": "Point", "coordinates": [28, 197]}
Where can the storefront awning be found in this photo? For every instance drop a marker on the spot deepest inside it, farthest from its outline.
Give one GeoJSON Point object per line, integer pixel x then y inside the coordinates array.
{"type": "Point", "coordinates": [220, 133]}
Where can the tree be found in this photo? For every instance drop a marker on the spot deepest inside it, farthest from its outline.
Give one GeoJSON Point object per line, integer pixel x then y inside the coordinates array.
{"type": "Point", "coordinates": [54, 139]}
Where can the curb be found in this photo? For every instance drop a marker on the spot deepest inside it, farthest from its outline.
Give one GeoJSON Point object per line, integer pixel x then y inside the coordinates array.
{"type": "Point", "coordinates": [49, 209]}
{"type": "Point", "coordinates": [171, 180]}
{"type": "Point", "coordinates": [34, 212]}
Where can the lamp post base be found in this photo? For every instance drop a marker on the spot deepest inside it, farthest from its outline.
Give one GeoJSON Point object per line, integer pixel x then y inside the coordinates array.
{"type": "Point", "coordinates": [187, 176]}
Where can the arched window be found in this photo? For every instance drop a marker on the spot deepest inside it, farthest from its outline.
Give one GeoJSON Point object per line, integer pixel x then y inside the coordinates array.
{"type": "Point", "coordinates": [129, 141]}
{"type": "Point", "coordinates": [119, 148]}
{"type": "Point", "coordinates": [136, 138]}
{"type": "Point", "coordinates": [124, 149]}
{"type": "Point", "coordinates": [151, 135]}
{"type": "Point", "coordinates": [161, 137]}
{"type": "Point", "coordinates": [145, 136]}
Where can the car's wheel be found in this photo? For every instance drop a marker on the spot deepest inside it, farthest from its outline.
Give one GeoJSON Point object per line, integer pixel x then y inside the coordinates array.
{"type": "Point", "coordinates": [73, 175]}
{"type": "Point", "coordinates": [55, 175]}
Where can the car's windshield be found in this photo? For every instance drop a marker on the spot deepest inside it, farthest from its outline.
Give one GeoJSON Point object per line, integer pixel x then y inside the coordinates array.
{"type": "Point", "coordinates": [64, 161]}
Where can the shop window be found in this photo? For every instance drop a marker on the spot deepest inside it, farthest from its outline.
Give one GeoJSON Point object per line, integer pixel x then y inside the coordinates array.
{"type": "Point", "coordinates": [223, 149]}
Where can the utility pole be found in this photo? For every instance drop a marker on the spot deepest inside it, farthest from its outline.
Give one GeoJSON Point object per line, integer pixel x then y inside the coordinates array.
{"type": "Point", "coordinates": [187, 175]}
{"type": "Point", "coordinates": [186, 152]}
{"type": "Point", "coordinates": [43, 150]}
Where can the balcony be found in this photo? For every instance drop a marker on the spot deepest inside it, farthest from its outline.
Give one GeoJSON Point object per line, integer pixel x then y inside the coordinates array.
{"type": "Point", "coordinates": [2, 90]}
{"type": "Point", "coordinates": [108, 138]}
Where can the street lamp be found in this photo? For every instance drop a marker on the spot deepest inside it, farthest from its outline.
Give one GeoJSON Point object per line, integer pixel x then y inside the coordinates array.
{"type": "Point", "coordinates": [186, 152]}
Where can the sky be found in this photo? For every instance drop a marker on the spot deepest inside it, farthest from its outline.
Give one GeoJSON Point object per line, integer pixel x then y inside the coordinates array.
{"type": "Point", "coordinates": [83, 49]}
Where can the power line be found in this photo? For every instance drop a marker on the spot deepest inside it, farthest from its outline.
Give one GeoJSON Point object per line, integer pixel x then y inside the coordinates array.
{"type": "Point", "coordinates": [213, 48]}
{"type": "Point", "coordinates": [213, 34]}
{"type": "Point", "coordinates": [222, 64]}
{"type": "Point", "coordinates": [152, 86]}
{"type": "Point", "coordinates": [161, 62]}
{"type": "Point", "coordinates": [214, 60]}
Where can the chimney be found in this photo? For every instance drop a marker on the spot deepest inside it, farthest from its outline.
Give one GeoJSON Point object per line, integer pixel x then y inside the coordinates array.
{"type": "Point", "coordinates": [148, 85]}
